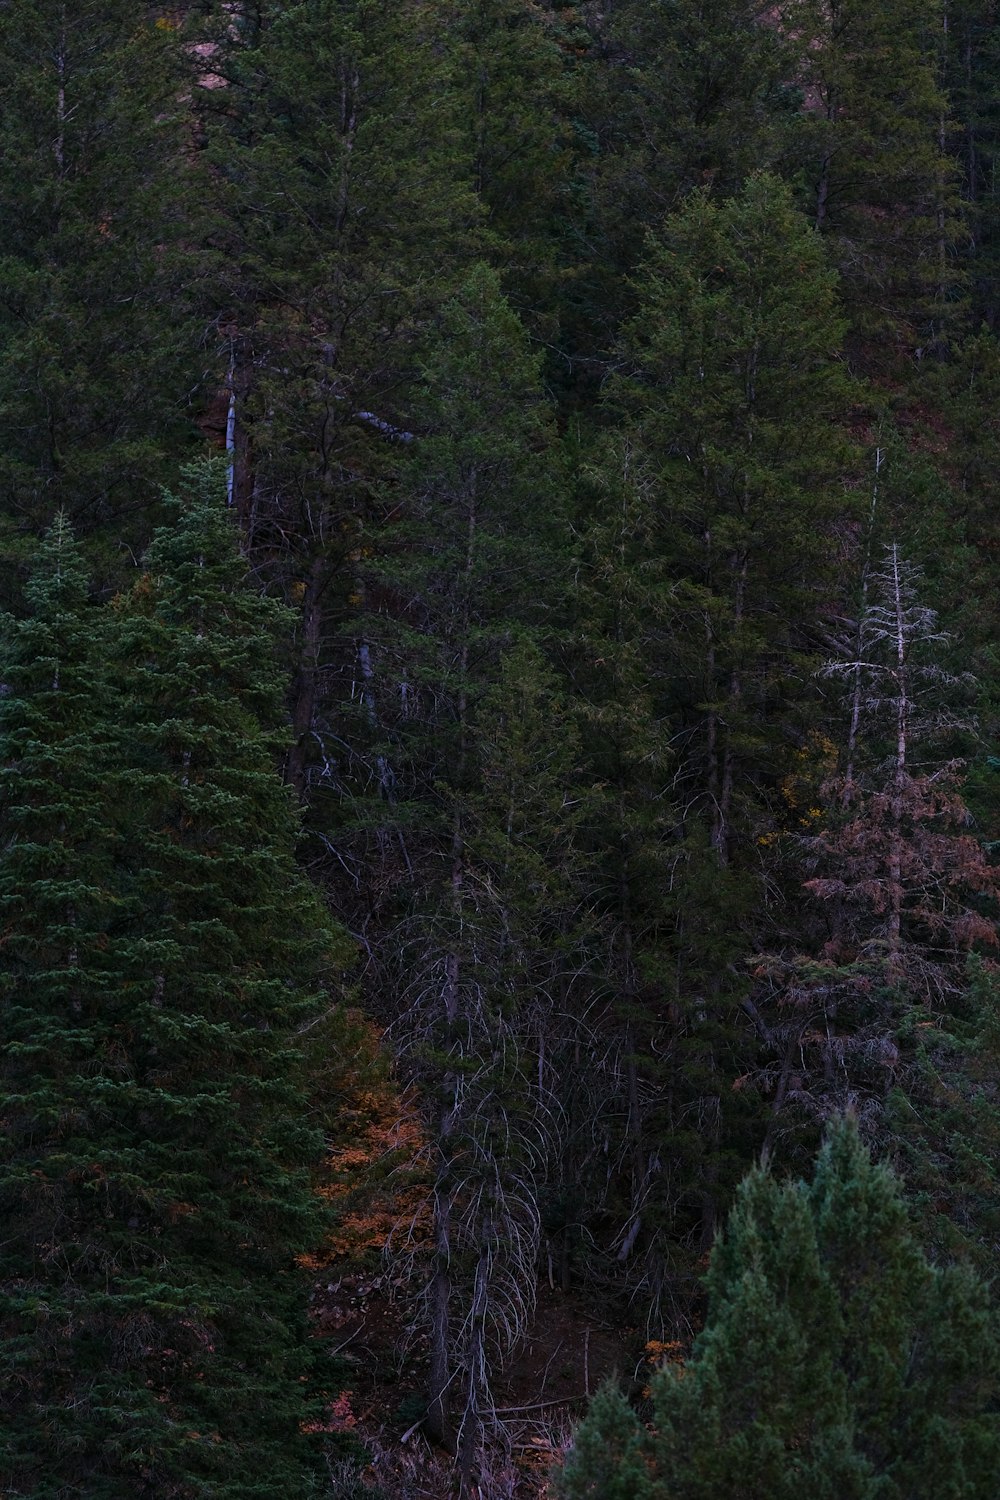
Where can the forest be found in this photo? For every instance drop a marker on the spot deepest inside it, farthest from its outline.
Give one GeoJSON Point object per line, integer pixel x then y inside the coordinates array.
{"type": "Point", "coordinates": [499, 749]}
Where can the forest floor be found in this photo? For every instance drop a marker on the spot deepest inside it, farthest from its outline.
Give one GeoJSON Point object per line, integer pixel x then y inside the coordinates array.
{"type": "Point", "coordinates": [565, 1356]}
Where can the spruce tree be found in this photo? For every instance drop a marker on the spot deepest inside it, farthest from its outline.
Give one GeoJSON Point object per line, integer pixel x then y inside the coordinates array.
{"type": "Point", "coordinates": [622, 661]}
{"type": "Point", "coordinates": [514, 82]}
{"type": "Point", "coordinates": [435, 777]}
{"type": "Point", "coordinates": [345, 205]}
{"type": "Point", "coordinates": [168, 1121]}
{"type": "Point", "coordinates": [673, 97]}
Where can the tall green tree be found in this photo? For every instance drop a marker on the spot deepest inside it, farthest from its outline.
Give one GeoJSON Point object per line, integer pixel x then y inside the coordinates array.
{"type": "Point", "coordinates": [673, 97]}
{"type": "Point", "coordinates": [436, 825]}
{"type": "Point", "coordinates": [642, 1203]}
{"type": "Point", "coordinates": [162, 955]}
{"type": "Point", "coordinates": [877, 167]}
{"type": "Point", "coordinates": [835, 1359]}
{"type": "Point", "coordinates": [345, 207]}
{"type": "Point", "coordinates": [970, 77]}
{"type": "Point", "coordinates": [737, 403]}
{"type": "Point", "coordinates": [101, 349]}
{"type": "Point", "coordinates": [514, 77]}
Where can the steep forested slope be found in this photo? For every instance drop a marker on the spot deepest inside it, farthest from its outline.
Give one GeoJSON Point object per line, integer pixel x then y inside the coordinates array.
{"type": "Point", "coordinates": [608, 397]}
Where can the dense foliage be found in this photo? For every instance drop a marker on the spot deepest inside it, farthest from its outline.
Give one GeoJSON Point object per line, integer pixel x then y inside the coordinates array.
{"type": "Point", "coordinates": [835, 1360]}
{"type": "Point", "coordinates": [591, 612]}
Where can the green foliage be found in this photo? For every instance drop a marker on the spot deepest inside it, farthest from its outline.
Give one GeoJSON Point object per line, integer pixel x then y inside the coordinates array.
{"type": "Point", "coordinates": [944, 1123]}
{"type": "Point", "coordinates": [738, 399]}
{"type": "Point", "coordinates": [162, 952]}
{"type": "Point", "coordinates": [835, 1359]}
{"type": "Point", "coordinates": [607, 1461]}
{"type": "Point", "coordinates": [877, 171]}
{"type": "Point", "coordinates": [674, 97]}
{"type": "Point", "coordinates": [557, 725]}
{"type": "Point", "coordinates": [513, 81]}
{"type": "Point", "coordinates": [718, 541]}
{"type": "Point", "coordinates": [98, 279]}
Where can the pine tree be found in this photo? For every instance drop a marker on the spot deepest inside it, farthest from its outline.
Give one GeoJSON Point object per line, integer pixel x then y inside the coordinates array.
{"type": "Point", "coordinates": [674, 97]}
{"type": "Point", "coordinates": [736, 406]}
{"type": "Point", "coordinates": [970, 77]}
{"type": "Point", "coordinates": [166, 1114]}
{"type": "Point", "coordinates": [835, 1359]}
{"type": "Point", "coordinates": [739, 398]}
{"type": "Point", "coordinates": [513, 76]}
{"type": "Point", "coordinates": [641, 1200]}
{"type": "Point", "coordinates": [942, 1122]}
{"type": "Point", "coordinates": [606, 1461]}
{"type": "Point", "coordinates": [100, 344]}
{"type": "Point", "coordinates": [62, 1026]}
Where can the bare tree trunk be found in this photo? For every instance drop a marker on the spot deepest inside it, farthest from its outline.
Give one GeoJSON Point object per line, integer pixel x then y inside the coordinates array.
{"type": "Point", "coordinates": [899, 778]}
{"type": "Point", "coordinates": [474, 1415]}
{"type": "Point", "coordinates": [855, 724]}
{"type": "Point", "coordinates": [439, 1423]}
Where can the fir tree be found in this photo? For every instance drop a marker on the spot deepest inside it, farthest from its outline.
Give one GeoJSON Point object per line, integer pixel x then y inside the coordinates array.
{"type": "Point", "coordinates": [346, 204]}
{"type": "Point", "coordinates": [606, 1461]}
{"type": "Point", "coordinates": [881, 181]}
{"type": "Point", "coordinates": [513, 75]}
{"type": "Point", "coordinates": [462, 566]}
{"type": "Point", "coordinates": [168, 1115]}
{"type": "Point", "coordinates": [674, 97]}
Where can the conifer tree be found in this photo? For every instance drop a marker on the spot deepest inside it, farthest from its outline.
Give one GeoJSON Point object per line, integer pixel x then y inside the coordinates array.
{"type": "Point", "coordinates": [346, 204]}
{"type": "Point", "coordinates": [942, 1122]}
{"type": "Point", "coordinates": [622, 663]}
{"type": "Point", "coordinates": [881, 180]}
{"type": "Point", "coordinates": [514, 80]}
{"type": "Point", "coordinates": [970, 78]}
{"type": "Point", "coordinates": [902, 883]}
{"type": "Point", "coordinates": [737, 405]}
{"type": "Point", "coordinates": [158, 1181]}
{"type": "Point", "coordinates": [673, 97]}
{"type": "Point", "coordinates": [835, 1359]}
{"type": "Point", "coordinates": [100, 346]}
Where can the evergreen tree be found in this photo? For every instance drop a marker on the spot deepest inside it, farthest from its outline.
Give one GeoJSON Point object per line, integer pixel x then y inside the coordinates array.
{"type": "Point", "coordinates": [643, 1203]}
{"type": "Point", "coordinates": [162, 1105]}
{"type": "Point", "coordinates": [606, 1461]}
{"type": "Point", "coordinates": [835, 1359]}
{"type": "Point", "coordinates": [970, 78]}
{"type": "Point", "coordinates": [345, 206]}
{"type": "Point", "coordinates": [514, 82]}
{"type": "Point", "coordinates": [671, 98]}
{"type": "Point", "coordinates": [99, 340]}
{"type": "Point", "coordinates": [737, 405]}
{"type": "Point", "coordinates": [942, 1122]}
{"type": "Point", "coordinates": [880, 178]}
